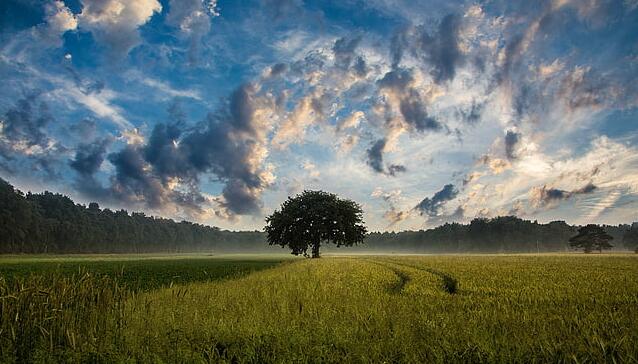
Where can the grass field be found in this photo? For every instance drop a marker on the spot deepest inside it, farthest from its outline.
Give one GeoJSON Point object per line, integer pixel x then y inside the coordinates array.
{"type": "Point", "coordinates": [139, 272]}
{"type": "Point", "coordinates": [519, 308]}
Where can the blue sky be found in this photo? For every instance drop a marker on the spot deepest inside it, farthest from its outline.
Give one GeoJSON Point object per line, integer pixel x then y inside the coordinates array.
{"type": "Point", "coordinates": [425, 113]}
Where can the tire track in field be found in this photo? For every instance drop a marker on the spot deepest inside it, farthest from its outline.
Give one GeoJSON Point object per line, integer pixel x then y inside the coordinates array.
{"type": "Point", "coordinates": [404, 277]}
{"type": "Point", "coordinates": [449, 283]}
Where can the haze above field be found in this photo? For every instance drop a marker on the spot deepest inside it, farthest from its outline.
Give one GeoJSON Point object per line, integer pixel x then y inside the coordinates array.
{"type": "Point", "coordinates": [216, 111]}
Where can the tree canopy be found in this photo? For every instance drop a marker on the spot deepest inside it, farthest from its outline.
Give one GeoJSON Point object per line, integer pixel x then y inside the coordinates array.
{"type": "Point", "coordinates": [313, 218]}
{"type": "Point", "coordinates": [591, 237]}
{"type": "Point", "coordinates": [52, 223]}
{"type": "Point", "coordinates": [630, 238]}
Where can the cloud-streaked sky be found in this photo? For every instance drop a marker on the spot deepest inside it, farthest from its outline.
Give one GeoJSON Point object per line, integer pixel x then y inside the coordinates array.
{"type": "Point", "coordinates": [424, 112]}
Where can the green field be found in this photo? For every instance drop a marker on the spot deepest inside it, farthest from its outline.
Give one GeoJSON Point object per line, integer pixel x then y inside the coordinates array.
{"type": "Point", "coordinates": [516, 308]}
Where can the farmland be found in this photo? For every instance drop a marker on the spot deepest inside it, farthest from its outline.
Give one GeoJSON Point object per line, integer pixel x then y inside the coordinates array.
{"type": "Point", "coordinates": [484, 308]}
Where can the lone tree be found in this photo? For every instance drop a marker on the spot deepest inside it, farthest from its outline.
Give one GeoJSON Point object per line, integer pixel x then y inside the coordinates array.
{"type": "Point", "coordinates": [313, 218]}
{"type": "Point", "coordinates": [591, 237]}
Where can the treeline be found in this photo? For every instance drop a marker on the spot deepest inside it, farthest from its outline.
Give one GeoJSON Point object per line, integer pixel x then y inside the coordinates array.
{"type": "Point", "coordinates": [53, 223]}
{"type": "Point", "coordinates": [497, 235]}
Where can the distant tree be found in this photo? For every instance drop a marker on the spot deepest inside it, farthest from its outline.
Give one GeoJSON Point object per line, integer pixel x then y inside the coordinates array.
{"type": "Point", "coordinates": [313, 218]}
{"type": "Point", "coordinates": [591, 237]}
{"type": "Point", "coordinates": [630, 238]}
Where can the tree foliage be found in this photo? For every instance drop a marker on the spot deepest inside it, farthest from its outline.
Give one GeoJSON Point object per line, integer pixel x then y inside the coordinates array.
{"type": "Point", "coordinates": [630, 237]}
{"type": "Point", "coordinates": [591, 237]}
{"type": "Point", "coordinates": [313, 218]}
{"type": "Point", "coordinates": [53, 223]}
{"type": "Point", "coordinates": [502, 234]}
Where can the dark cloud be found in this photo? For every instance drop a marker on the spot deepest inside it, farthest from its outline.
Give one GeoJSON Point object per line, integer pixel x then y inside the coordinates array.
{"type": "Point", "coordinates": [344, 51]}
{"type": "Point", "coordinates": [132, 181]}
{"type": "Point", "coordinates": [89, 157]}
{"type": "Point", "coordinates": [360, 67]}
{"type": "Point", "coordinates": [524, 98]}
{"type": "Point", "coordinates": [375, 155]}
{"type": "Point", "coordinates": [226, 144]}
{"type": "Point", "coordinates": [397, 47]}
{"type": "Point", "coordinates": [25, 143]}
{"type": "Point", "coordinates": [239, 198]}
{"type": "Point", "coordinates": [588, 188]}
{"type": "Point", "coordinates": [398, 79]}
{"type": "Point", "coordinates": [511, 140]}
{"type": "Point", "coordinates": [162, 151]}
{"type": "Point", "coordinates": [456, 216]}
{"type": "Point", "coordinates": [399, 83]}
{"type": "Point", "coordinates": [441, 50]}
{"type": "Point", "coordinates": [26, 120]}
{"type": "Point", "coordinates": [278, 69]}
{"type": "Point", "coordinates": [542, 196]}
{"type": "Point", "coordinates": [411, 105]}
{"type": "Point", "coordinates": [414, 113]}
{"type": "Point", "coordinates": [396, 168]}
{"type": "Point", "coordinates": [431, 206]}
{"type": "Point", "coordinates": [375, 159]}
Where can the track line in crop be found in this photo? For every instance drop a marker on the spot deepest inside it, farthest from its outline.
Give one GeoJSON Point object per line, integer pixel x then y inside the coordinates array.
{"type": "Point", "coordinates": [449, 283]}
{"type": "Point", "coordinates": [404, 277]}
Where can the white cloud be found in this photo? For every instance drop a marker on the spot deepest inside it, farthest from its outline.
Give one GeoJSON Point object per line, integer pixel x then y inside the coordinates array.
{"type": "Point", "coordinates": [59, 18]}
{"type": "Point", "coordinates": [115, 22]}
{"type": "Point", "coordinates": [163, 87]}
{"type": "Point", "coordinates": [100, 104]}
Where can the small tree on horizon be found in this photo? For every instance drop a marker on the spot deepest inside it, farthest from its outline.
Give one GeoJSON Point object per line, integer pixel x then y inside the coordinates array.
{"type": "Point", "coordinates": [313, 218]}
{"type": "Point", "coordinates": [591, 237]}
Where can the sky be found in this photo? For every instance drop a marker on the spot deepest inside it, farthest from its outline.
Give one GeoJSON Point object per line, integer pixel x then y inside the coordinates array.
{"type": "Point", "coordinates": [423, 112]}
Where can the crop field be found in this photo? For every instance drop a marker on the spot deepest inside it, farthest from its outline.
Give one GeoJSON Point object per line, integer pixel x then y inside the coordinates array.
{"type": "Point", "coordinates": [490, 308]}
{"type": "Point", "coordinates": [139, 272]}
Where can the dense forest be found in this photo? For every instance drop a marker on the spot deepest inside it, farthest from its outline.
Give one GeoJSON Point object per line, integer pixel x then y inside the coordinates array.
{"type": "Point", "coordinates": [497, 235]}
{"type": "Point", "coordinates": [53, 223]}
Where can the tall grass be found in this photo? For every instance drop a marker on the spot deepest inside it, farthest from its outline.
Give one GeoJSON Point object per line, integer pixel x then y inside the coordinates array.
{"type": "Point", "coordinates": [370, 309]}
{"type": "Point", "coordinates": [503, 309]}
{"type": "Point", "coordinates": [69, 311]}
{"type": "Point", "coordinates": [59, 317]}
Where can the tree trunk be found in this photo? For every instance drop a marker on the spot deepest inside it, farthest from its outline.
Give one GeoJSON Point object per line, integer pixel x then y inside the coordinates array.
{"type": "Point", "coordinates": [315, 250]}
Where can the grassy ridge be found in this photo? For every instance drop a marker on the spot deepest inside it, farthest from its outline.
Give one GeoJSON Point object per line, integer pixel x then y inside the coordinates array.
{"type": "Point", "coordinates": [380, 309]}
